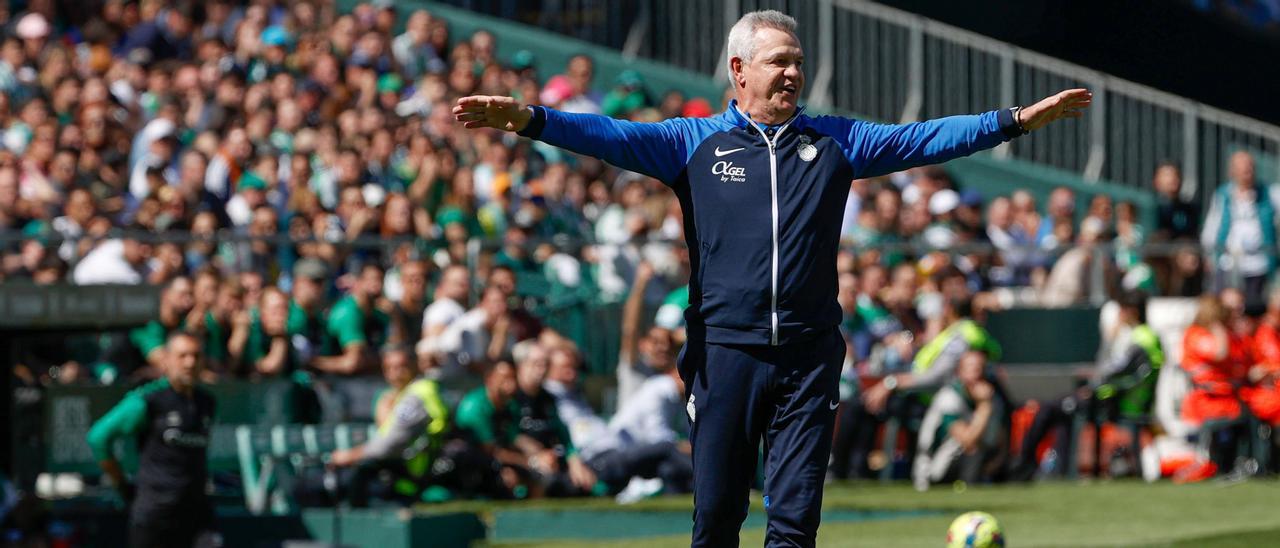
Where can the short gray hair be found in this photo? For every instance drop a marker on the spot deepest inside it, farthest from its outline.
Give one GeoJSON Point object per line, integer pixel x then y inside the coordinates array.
{"type": "Point", "coordinates": [742, 37]}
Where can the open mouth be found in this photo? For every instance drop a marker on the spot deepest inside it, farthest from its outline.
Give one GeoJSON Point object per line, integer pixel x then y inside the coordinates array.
{"type": "Point", "coordinates": [789, 90]}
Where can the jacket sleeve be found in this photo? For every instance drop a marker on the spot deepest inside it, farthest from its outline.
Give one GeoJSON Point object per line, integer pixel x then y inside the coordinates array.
{"type": "Point", "coordinates": [878, 149]}
{"type": "Point", "coordinates": [122, 420]}
{"type": "Point", "coordinates": [659, 150]}
{"type": "Point", "coordinates": [408, 422]}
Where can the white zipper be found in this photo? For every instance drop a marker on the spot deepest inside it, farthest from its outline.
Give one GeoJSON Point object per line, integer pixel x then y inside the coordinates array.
{"type": "Point", "coordinates": [773, 186]}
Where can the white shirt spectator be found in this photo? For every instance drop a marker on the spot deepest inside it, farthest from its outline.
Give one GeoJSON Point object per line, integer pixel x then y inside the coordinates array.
{"type": "Point", "coordinates": [442, 312]}
{"type": "Point", "coordinates": [654, 414]}
{"type": "Point", "coordinates": [106, 265]}
{"type": "Point", "coordinates": [585, 427]}
{"type": "Point", "coordinates": [465, 341]}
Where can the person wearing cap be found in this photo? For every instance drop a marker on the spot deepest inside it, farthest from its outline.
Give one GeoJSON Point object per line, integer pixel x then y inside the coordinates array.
{"type": "Point", "coordinates": [34, 31]}
{"type": "Point", "coordinates": [968, 217]}
{"type": "Point", "coordinates": [276, 43]}
{"type": "Point", "coordinates": [940, 234]}
{"type": "Point", "coordinates": [306, 306]}
{"type": "Point", "coordinates": [389, 86]}
{"type": "Point", "coordinates": [626, 97]}
{"type": "Point", "coordinates": [251, 193]}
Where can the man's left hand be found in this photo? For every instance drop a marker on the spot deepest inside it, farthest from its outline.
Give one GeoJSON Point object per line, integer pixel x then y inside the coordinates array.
{"type": "Point", "coordinates": [343, 458]}
{"type": "Point", "coordinates": [1066, 104]}
{"type": "Point", "coordinates": [581, 474]}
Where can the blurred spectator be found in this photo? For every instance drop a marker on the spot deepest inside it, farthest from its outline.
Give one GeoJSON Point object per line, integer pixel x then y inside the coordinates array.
{"type": "Point", "coordinates": [553, 459]}
{"type": "Point", "coordinates": [645, 449]}
{"type": "Point", "coordinates": [486, 417]}
{"type": "Point", "coordinates": [1240, 229]}
{"type": "Point", "coordinates": [269, 347]}
{"type": "Point", "coordinates": [1070, 282]}
{"type": "Point", "coordinates": [480, 336]}
{"type": "Point", "coordinates": [1176, 218]}
{"type": "Point", "coordinates": [449, 302]}
{"type": "Point", "coordinates": [935, 363]}
{"type": "Point", "coordinates": [176, 302]}
{"type": "Point", "coordinates": [563, 382]}
{"type": "Point", "coordinates": [121, 260]}
{"type": "Point", "coordinates": [1121, 386]}
{"type": "Point", "coordinates": [407, 308]}
{"type": "Point", "coordinates": [1218, 360]}
{"type": "Point", "coordinates": [642, 352]}
{"type": "Point", "coordinates": [961, 438]}
{"type": "Point", "coordinates": [306, 315]}
{"type": "Point", "coordinates": [414, 423]}
{"type": "Point", "coordinates": [355, 327]}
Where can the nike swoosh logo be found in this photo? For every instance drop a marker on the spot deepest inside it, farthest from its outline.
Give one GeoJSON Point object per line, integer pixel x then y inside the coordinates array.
{"type": "Point", "coordinates": [720, 153]}
{"type": "Point", "coordinates": [833, 405]}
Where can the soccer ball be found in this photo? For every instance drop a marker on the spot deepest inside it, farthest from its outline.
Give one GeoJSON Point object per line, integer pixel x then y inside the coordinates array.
{"type": "Point", "coordinates": [975, 530]}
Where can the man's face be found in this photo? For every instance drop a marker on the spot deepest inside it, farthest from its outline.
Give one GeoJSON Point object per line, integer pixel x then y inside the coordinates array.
{"type": "Point", "coordinates": [306, 291]}
{"type": "Point", "coordinates": [504, 280]}
{"type": "Point", "coordinates": [773, 76]}
{"type": "Point", "coordinates": [183, 363]}
{"type": "Point", "coordinates": [455, 284]}
{"type": "Point", "coordinates": [563, 368]}
{"type": "Point", "coordinates": [396, 369]}
{"type": "Point", "coordinates": [1167, 181]}
{"type": "Point", "coordinates": [371, 282]}
{"type": "Point", "coordinates": [502, 383]}
{"type": "Point", "coordinates": [275, 312]}
{"type": "Point", "coordinates": [179, 298]}
{"type": "Point", "coordinates": [413, 278]}
{"type": "Point", "coordinates": [206, 289]}
{"type": "Point", "coordinates": [1242, 169]}
{"type": "Point", "coordinates": [969, 370]}
{"type": "Point", "coordinates": [657, 349]}
{"type": "Point", "coordinates": [533, 370]}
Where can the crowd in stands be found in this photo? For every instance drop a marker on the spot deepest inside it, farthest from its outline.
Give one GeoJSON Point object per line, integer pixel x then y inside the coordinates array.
{"type": "Point", "coordinates": [291, 176]}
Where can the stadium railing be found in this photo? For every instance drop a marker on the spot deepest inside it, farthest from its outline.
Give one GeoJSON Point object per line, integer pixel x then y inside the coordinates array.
{"type": "Point", "coordinates": [890, 65]}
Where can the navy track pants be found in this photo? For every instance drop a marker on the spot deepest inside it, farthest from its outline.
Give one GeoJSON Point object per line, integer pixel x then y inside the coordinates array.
{"type": "Point", "coordinates": [737, 394]}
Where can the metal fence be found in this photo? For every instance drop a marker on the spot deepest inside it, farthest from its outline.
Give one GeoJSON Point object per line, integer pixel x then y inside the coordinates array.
{"type": "Point", "coordinates": [890, 65]}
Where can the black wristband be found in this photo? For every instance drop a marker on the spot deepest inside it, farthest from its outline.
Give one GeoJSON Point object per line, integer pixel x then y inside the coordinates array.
{"type": "Point", "coordinates": [536, 122]}
{"type": "Point", "coordinates": [1008, 120]}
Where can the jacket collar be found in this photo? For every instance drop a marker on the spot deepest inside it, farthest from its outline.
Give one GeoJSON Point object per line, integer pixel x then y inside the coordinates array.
{"type": "Point", "coordinates": [738, 118]}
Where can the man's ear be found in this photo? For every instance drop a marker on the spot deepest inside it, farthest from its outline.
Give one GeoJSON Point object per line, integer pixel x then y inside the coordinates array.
{"type": "Point", "coordinates": [735, 64]}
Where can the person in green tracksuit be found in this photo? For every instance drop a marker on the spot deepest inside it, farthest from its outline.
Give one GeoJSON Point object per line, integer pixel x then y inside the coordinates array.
{"type": "Point", "coordinates": [169, 419]}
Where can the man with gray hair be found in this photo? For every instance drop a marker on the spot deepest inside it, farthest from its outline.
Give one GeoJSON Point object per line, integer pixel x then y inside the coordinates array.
{"type": "Point", "coordinates": [762, 187]}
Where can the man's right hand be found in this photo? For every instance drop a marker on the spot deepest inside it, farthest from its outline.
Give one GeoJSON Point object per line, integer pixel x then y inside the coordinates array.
{"type": "Point", "coordinates": [503, 113]}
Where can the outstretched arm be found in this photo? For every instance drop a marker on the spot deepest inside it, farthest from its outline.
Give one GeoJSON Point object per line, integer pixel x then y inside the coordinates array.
{"type": "Point", "coordinates": [877, 149]}
{"type": "Point", "coordinates": [659, 150]}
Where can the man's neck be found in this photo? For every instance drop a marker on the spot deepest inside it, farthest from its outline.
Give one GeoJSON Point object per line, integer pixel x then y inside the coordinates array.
{"type": "Point", "coordinates": [169, 318]}
{"type": "Point", "coordinates": [184, 390]}
{"type": "Point", "coordinates": [761, 114]}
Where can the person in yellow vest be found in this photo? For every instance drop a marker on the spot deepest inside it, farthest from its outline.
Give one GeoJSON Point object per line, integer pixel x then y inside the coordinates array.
{"type": "Point", "coordinates": [405, 443]}
{"type": "Point", "coordinates": [1123, 386]}
{"type": "Point", "coordinates": [935, 363]}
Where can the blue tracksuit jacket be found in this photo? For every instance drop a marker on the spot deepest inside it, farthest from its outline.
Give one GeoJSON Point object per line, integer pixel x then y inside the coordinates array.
{"type": "Point", "coordinates": [763, 205]}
